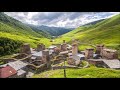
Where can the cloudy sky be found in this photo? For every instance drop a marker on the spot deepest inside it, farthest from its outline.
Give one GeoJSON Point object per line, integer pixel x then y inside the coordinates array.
{"type": "Point", "coordinates": [60, 19]}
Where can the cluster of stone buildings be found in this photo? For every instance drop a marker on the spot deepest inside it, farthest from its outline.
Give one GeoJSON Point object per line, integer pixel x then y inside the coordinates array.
{"type": "Point", "coordinates": [27, 60]}
{"type": "Point", "coordinates": [30, 59]}
{"type": "Point", "coordinates": [99, 56]}
{"type": "Point", "coordinates": [103, 57]}
{"type": "Point", "coordinates": [40, 59]}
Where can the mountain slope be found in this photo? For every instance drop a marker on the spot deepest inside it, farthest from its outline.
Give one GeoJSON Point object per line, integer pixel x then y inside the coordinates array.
{"type": "Point", "coordinates": [54, 31]}
{"type": "Point", "coordinates": [41, 32]}
{"type": "Point", "coordinates": [13, 31]}
{"type": "Point", "coordinates": [106, 32]}
{"type": "Point", "coordinates": [11, 25]}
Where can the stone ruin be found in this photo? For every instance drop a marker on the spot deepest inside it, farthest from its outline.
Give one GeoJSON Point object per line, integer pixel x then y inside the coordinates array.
{"type": "Point", "coordinates": [25, 48]}
{"type": "Point", "coordinates": [40, 47]}
{"type": "Point", "coordinates": [20, 56]}
{"type": "Point", "coordinates": [71, 61]}
{"type": "Point", "coordinates": [89, 53]}
{"type": "Point", "coordinates": [64, 46]}
{"type": "Point", "coordinates": [99, 49]}
{"type": "Point", "coordinates": [73, 54]}
{"type": "Point", "coordinates": [74, 49]}
{"type": "Point", "coordinates": [106, 53]}
{"type": "Point", "coordinates": [109, 54]}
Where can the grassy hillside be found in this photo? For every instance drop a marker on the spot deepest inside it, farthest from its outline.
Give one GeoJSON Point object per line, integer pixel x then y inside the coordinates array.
{"type": "Point", "coordinates": [92, 72]}
{"type": "Point", "coordinates": [106, 32]}
{"type": "Point", "coordinates": [15, 31]}
{"type": "Point", "coordinates": [13, 26]}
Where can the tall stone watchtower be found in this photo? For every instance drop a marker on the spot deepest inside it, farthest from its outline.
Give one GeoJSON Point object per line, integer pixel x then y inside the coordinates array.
{"type": "Point", "coordinates": [74, 48]}
{"type": "Point", "coordinates": [64, 46]}
{"type": "Point", "coordinates": [25, 48]}
{"type": "Point", "coordinates": [46, 58]}
{"type": "Point", "coordinates": [99, 49]}
{"type": "Point", "coordinates": [89, 53]}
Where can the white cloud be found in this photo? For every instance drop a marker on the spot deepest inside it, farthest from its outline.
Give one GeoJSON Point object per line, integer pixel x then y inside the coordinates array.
{"type": "Point", "coordinates": [60, 19]}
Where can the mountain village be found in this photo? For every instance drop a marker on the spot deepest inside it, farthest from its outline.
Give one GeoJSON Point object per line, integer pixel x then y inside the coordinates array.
{"type": "Point", "coordinates": [32, 60]}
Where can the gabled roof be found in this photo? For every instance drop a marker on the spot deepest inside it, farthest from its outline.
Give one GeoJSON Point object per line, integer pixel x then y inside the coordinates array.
{"type": "Point", "coordinates": [7, 71]}
{"type": "Point", "coordinates": [17, 65]}
{"type": "Point", "coordinates": [112, 63]}
{"type": "Point", "coordinates": [21, 72]}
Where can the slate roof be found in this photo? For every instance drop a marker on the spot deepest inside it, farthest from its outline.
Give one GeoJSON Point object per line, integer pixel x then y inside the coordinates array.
{"type": "Point", "coordinates": [17, 65]}
{"type": "Point", "coordinates": [21, 72]}
{"type": "Point", "coordinates": [114, 64]}
{"type": "Point", "coordinates": [37, 54]}
{"type": "Point", "coordinates": [78, 57]}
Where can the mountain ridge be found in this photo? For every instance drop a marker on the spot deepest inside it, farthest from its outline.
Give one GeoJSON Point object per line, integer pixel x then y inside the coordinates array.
{"type": "Point", "coordinates": [54, 31]}
{"type": "Point", "coordinates": [104, 32]}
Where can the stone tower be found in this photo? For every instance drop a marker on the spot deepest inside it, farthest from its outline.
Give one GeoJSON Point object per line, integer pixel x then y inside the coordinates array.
{"type": "Point", "coordinates": [99, 49]}
{"type": "Point", "coordinates": [25, 48]}
{"type": "Point", "coordinates": [64, 46]}
{"type": "Point", "coordinates": [74, 48]}
{"type": "Point", "coordinates": [46, 58]}
{"type": "Point", "coordinates": [40, 47]}
{"type": "Point", "coordinates": [89, 53]}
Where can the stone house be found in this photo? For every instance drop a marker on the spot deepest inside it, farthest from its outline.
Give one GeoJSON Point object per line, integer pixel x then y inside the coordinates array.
{"type": "Point", "coordinates": [109, 54]}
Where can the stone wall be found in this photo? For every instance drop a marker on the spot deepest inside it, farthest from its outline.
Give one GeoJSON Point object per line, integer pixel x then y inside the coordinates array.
{"type": "Point", "coordinates": [96, 62]}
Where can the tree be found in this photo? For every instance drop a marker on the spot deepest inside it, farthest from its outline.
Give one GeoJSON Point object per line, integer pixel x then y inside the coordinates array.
{"type": "Point", "coordinates": [7, 50]}
{"type": "Point", "coordinates": [1, 50]}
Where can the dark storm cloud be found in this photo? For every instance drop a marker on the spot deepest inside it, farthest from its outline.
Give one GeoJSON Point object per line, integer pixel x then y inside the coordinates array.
{"type": "Point", "coordinates": [47, 16]}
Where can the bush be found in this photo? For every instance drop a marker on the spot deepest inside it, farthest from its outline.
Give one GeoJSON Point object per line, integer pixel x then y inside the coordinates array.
{"type": "Point", "coordinates": [9, 46]}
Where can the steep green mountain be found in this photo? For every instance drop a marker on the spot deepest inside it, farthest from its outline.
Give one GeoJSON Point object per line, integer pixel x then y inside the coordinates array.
{"type": "Point", "coordinates": [54, 31]}
{"type": "Point", "coordinates": [11, 25]}
{"type": "Point", "coordinates": [13, 31]}
{"type": "Point", "coordinates": [106, 32]}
